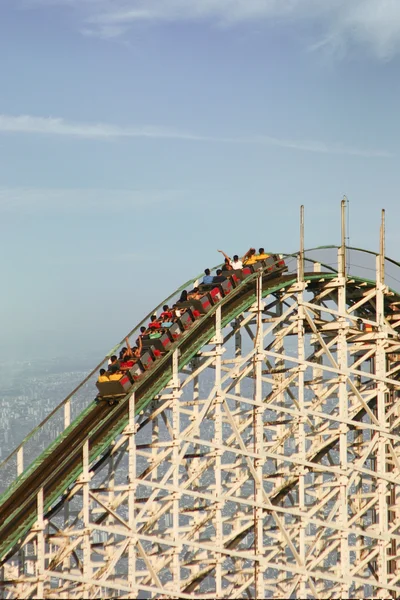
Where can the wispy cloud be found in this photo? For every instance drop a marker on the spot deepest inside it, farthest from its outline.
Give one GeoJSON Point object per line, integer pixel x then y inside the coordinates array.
{"type": "Point", "coordinates": [102, 131]}
{"type": "Point", "coordinates": [61, 127]}
{"type": "Point", "coordinates": [337, 23]}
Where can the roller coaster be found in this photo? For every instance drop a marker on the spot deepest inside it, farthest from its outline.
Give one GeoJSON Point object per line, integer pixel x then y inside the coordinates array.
{"type": "Point", "coordinates": [258, 456]}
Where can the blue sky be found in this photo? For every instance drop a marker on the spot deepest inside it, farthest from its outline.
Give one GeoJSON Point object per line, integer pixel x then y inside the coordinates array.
{"type": "Point", "coordinates": [137, 137]}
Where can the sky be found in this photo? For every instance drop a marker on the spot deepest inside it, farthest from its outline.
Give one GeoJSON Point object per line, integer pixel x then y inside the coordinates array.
{"type": "Point", "coordinates": [138, 137]}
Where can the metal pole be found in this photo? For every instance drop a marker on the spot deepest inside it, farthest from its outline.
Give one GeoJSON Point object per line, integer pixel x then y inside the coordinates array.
{"type": "Point", "coordinates": [300, 268]}
{"type": "Point", "coordinates": [342, 253]}
{"type": "Point", "coordinates": [382, 248]}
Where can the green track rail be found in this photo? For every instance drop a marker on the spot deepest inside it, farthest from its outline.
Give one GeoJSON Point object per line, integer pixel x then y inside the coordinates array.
{"type": "Point", "coordinates": [56, 470]}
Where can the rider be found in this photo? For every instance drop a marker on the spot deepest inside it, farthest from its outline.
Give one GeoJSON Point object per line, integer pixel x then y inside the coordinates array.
{"type": "Point", "coordinates": [235, 263]}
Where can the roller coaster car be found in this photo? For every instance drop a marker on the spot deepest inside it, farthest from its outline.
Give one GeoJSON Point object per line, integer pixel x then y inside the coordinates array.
{"type": "Point", "coordinates": [136, 371]}
{"type": "Point", "coordinates": [280, 262]}
{"type": "Point", "coordinates": [215, 294]}
{"type": "Point", "coordinates": [113, 387]}
{"type": "Point", "coordinates": [275, 264]}
{"type": "Point", "coordinates": [226, 286]}
{"type": "Point", "coordinates": [146, 360]}
{"type": "Point", "coordinates": [248, 270]}
{"type": "Point", "coordinates": [161, 341]}
{"type": "Point", "coordinates": [213, 291]}
{"type": "Point", "coordinates": [217, 290]}
{"type": "Point", "coordinates": [203, 304]}
{"type": "Point", "coordinates": [155, 353]}
{"type": "Point", "coordinates": [235, 276]}
{"type": "Point", "coordinates": [185, 320]}
{"type": "Point", "coordinates": [174, 331]}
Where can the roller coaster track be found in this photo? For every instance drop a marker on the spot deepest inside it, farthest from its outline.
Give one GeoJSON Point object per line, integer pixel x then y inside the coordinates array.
{"type": "Point", "coordinates": [101, 425]}
{"type": "Point", "coordinates": [48, 482]}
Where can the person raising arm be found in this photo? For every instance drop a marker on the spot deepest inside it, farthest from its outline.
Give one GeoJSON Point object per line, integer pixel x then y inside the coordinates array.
{"type": "Point", "coordinates": [136, 352]}
{"type": "Point", "coordinates": [226, 256]}
{"type": "Point", "coordinates": [235, 263]}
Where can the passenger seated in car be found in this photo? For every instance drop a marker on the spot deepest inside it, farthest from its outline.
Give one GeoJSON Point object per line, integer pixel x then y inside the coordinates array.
{"type": "Point", "coordinates": [116, 376]}
{"type": "Point", "coordinates": [166, 324]}
{"type": "Point", "coordinates": [250, 257]}
{"type": "Point", "coordinates": [166, 314]}
{"type": "Point", "coordinates": [207, 279]}
{"type": "Point", "coordinates": [219, 278]}
{"type": "Point", "coordinates": [234, 263]}
{"type": "Point", "coordinates": [103, 376]}
{"type": "Point", "coordinates": [195, 294]}
{"type": "Point", "coordinates": [154, 323]}
{"type": "Point", "coordinates": [139, 338]}
{"type": "Point", "coordinates": [127, 363]}
{"type": "Point", "coordinates": [114, 365]}
{"type": "Point", "coordinates": [142, 332]}
{"type": "Point", "coordinates": [237, 263]}
{"type": "Point", "coordinates": [227, 265]}
{"type": "Point", "coordinates": [134, 352]}
{"type": "Point", "coordinates": [178, 311]}
{"type": "Point", "coordinates": [125, 351]}
{"type": "Point", "coordinates": [261, 254]}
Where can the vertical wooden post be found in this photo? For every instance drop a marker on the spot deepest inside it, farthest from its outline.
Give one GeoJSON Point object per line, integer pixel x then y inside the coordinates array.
{"type": "Point", "coordinates": [176, 569]}
{"type": "Point", "coordinates": [382, 395]}
{"type": "Point", "coordinates": [258, 449]}
{"type": "Point", "coordinates": [40, 562]}
{"type": "Point", "coordinates": [131, 498]}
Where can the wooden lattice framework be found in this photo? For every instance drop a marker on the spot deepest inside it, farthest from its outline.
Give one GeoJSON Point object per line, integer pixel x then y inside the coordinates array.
{"type": "Point", "coordinates": [268, 467]}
